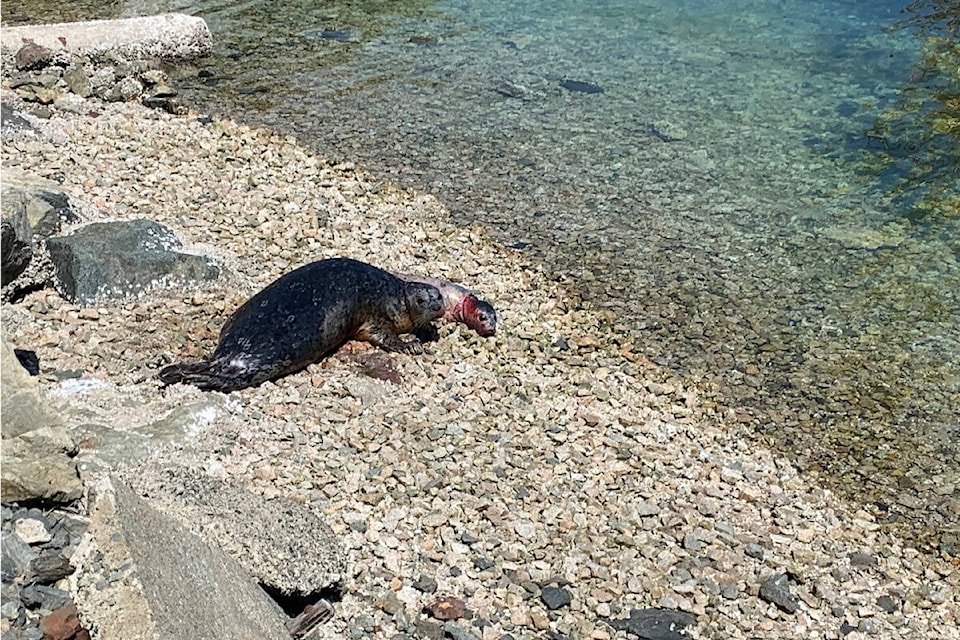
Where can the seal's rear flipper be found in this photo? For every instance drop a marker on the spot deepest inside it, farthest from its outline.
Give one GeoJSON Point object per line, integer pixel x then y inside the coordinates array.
{"type": "Point", "coordinates": [209, 376]}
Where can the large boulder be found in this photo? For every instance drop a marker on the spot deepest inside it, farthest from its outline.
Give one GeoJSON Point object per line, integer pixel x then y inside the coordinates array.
{"type": "Point", "coordinates": [122, 259]}
{"type": "Point", "coordinates": [143, 575]}
{"type": "Point", "coordinates": [37, 452]}
{"type": "Point", "coordinates": [38, 467]}
{"type": "Point", "coordinates": [33, 209]}
{"type": "Point", "coordinates": [16, 252]}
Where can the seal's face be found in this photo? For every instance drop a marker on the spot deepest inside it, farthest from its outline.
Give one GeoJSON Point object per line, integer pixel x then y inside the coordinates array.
{"type": "Point", "coordinates": [424, 303]}
{"type": "Point", "coordinates": [479, 316]}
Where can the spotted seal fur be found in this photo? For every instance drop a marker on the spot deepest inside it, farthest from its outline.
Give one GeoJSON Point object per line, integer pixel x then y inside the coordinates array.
{"type": "Point", "coordinates": [307, 314]}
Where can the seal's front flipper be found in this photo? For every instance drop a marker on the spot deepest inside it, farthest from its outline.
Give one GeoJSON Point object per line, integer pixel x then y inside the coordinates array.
{"type": "Point", "coordinates": [391, 342]}
{"type": "Point", "coordinates": [381, 334]}
{"type": "Point", "coordinates": [428, 333]}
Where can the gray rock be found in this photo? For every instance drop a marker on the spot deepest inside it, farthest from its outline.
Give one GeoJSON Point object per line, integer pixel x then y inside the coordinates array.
{"type": "Point", "coordinates": [555, 597]}
{"type": "Point", "coordinates": [863, 560]}
{"type": "Point", "coordinates": [10, 599]}
{"type": "Point", "coordinates": [284, 544]}
{"type": "Point", "coordinates": [38, 203]}
{"type": "Point", "coordinates": [106, 448]}
{"type": "Point", "coordinates": [425, 584]}
{"type": "Point", "coordinates": [15, 254]}
{"type": "Point", "coordinates": [390, 603]}
{"type": "Point", "coordinates": [70, 102]}
{"type": "Point", "coordinates": [143, 575]}
{"type": "Point", "coordinates": [38, 466]}
{"type": "Point", "coordinates": [183, 420]}
{"type": "Point", "coordinates": [868, 626]}
{"type": "Point", "coordinates": [15, 556]}
{"type": "Point", "coordinates": [119, 259]}
{"type": "Point", "coordinates": [754, 550]}
{"type": "Point", "coordinates": [37, 452]}
{"type": "Point", "coordinates": [21, 403]}
{"type": "Point", "coordinates": [887, 603]}
{"type": "Point", "coordinates": [154, 77]}
{"type": "Point", "coordinates": [78, 81]}
{"type": "Point", "coordinates": [776, 590]}
{"type": "Point", "coordinates": [126, 89]}
{"type": "Point", "coordinates": [49, 566]}
{"type": "Point", "coordinates": [429, 630]}
{"type": "Point", "coordinates": [655, 623]}
{"type": "Point", "coordinates": [11, 121]}
{"type": "Point", "coordinates": [456, 632]}
{"type": "Point", "coordinates": [38, 596]}
{"type": "Point", "coordinates": [691, 543]}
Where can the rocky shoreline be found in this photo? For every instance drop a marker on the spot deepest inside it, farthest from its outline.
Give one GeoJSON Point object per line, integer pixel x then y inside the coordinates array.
{"type": "Point", "coordinates": [546, 481]}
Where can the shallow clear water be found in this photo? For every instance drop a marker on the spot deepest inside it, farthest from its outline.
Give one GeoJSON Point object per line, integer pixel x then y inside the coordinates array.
{"type": "Point", "coordinates": [710, 197]}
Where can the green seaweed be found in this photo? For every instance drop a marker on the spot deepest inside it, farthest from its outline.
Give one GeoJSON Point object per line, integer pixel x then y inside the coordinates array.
{"type": "Point", "coordinates": [918, 137]}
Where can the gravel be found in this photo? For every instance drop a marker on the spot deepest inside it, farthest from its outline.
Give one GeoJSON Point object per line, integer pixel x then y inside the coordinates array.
{"type": "Point", "coordinates": [552, 453]}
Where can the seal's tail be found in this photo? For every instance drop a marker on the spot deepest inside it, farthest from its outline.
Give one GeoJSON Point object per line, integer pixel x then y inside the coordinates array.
{"type": "Point", "coordinates": [207, 375]}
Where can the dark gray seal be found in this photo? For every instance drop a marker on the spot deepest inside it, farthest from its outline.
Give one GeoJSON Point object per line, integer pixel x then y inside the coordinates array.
{"type": "Point", "coordinates": [307, 314]}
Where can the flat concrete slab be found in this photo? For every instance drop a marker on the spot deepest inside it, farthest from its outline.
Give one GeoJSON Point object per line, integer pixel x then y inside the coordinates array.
{"type": "Point", "coordinates": [171, 36]}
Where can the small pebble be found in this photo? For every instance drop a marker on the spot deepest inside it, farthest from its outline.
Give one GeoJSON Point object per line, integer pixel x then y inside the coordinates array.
{"type": "Point", "coordinates": [555, 597]}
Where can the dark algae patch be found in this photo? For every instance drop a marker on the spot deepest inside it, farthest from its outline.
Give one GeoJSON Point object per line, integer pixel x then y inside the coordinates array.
{"type": "Point", "coordinates": [916, 139]}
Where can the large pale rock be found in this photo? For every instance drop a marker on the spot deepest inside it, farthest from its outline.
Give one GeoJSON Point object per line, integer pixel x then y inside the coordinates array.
{"type": "Point", "coordinates": [38, 466]}
{"type": "Point", "coordinates": [21, 404]}
{"type": "Point", "coordinates": [122, 259]}
{"type": "Point", "coordinates": [142, 575]}
{"type": "Point", "coordinates": [37, 452]}
{"type": "Point", "coordinates": [115, 446]}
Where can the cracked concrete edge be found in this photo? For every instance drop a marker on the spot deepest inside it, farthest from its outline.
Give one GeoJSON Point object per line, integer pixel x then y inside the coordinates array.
{"type": "Point", "coordinates": [142, 576]}
{"type": "Point", "coordinates": [171, 36]}
{"type": "Point", "coordinates": [108, 609]}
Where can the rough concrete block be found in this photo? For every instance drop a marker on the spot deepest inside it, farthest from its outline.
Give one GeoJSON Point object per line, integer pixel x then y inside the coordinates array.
{"type": "Point", "coordinates": [142, 576]}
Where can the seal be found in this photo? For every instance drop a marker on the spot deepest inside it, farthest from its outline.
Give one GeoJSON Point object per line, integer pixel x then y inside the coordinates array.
{"type": "Point", "coordinates": [460, 304]}
{"type": "Point", "coordinates": [307, 314]}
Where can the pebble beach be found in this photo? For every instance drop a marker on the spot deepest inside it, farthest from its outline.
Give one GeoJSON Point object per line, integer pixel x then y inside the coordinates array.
{"type": "Point", "coordinates": [494, 470]}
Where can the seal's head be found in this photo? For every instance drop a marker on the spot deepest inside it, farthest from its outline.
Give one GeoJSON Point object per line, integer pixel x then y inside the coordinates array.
{"type": "Point", "coordinates": [479, 315]}
{"type": "Point", "coordinates": [424, 303]}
